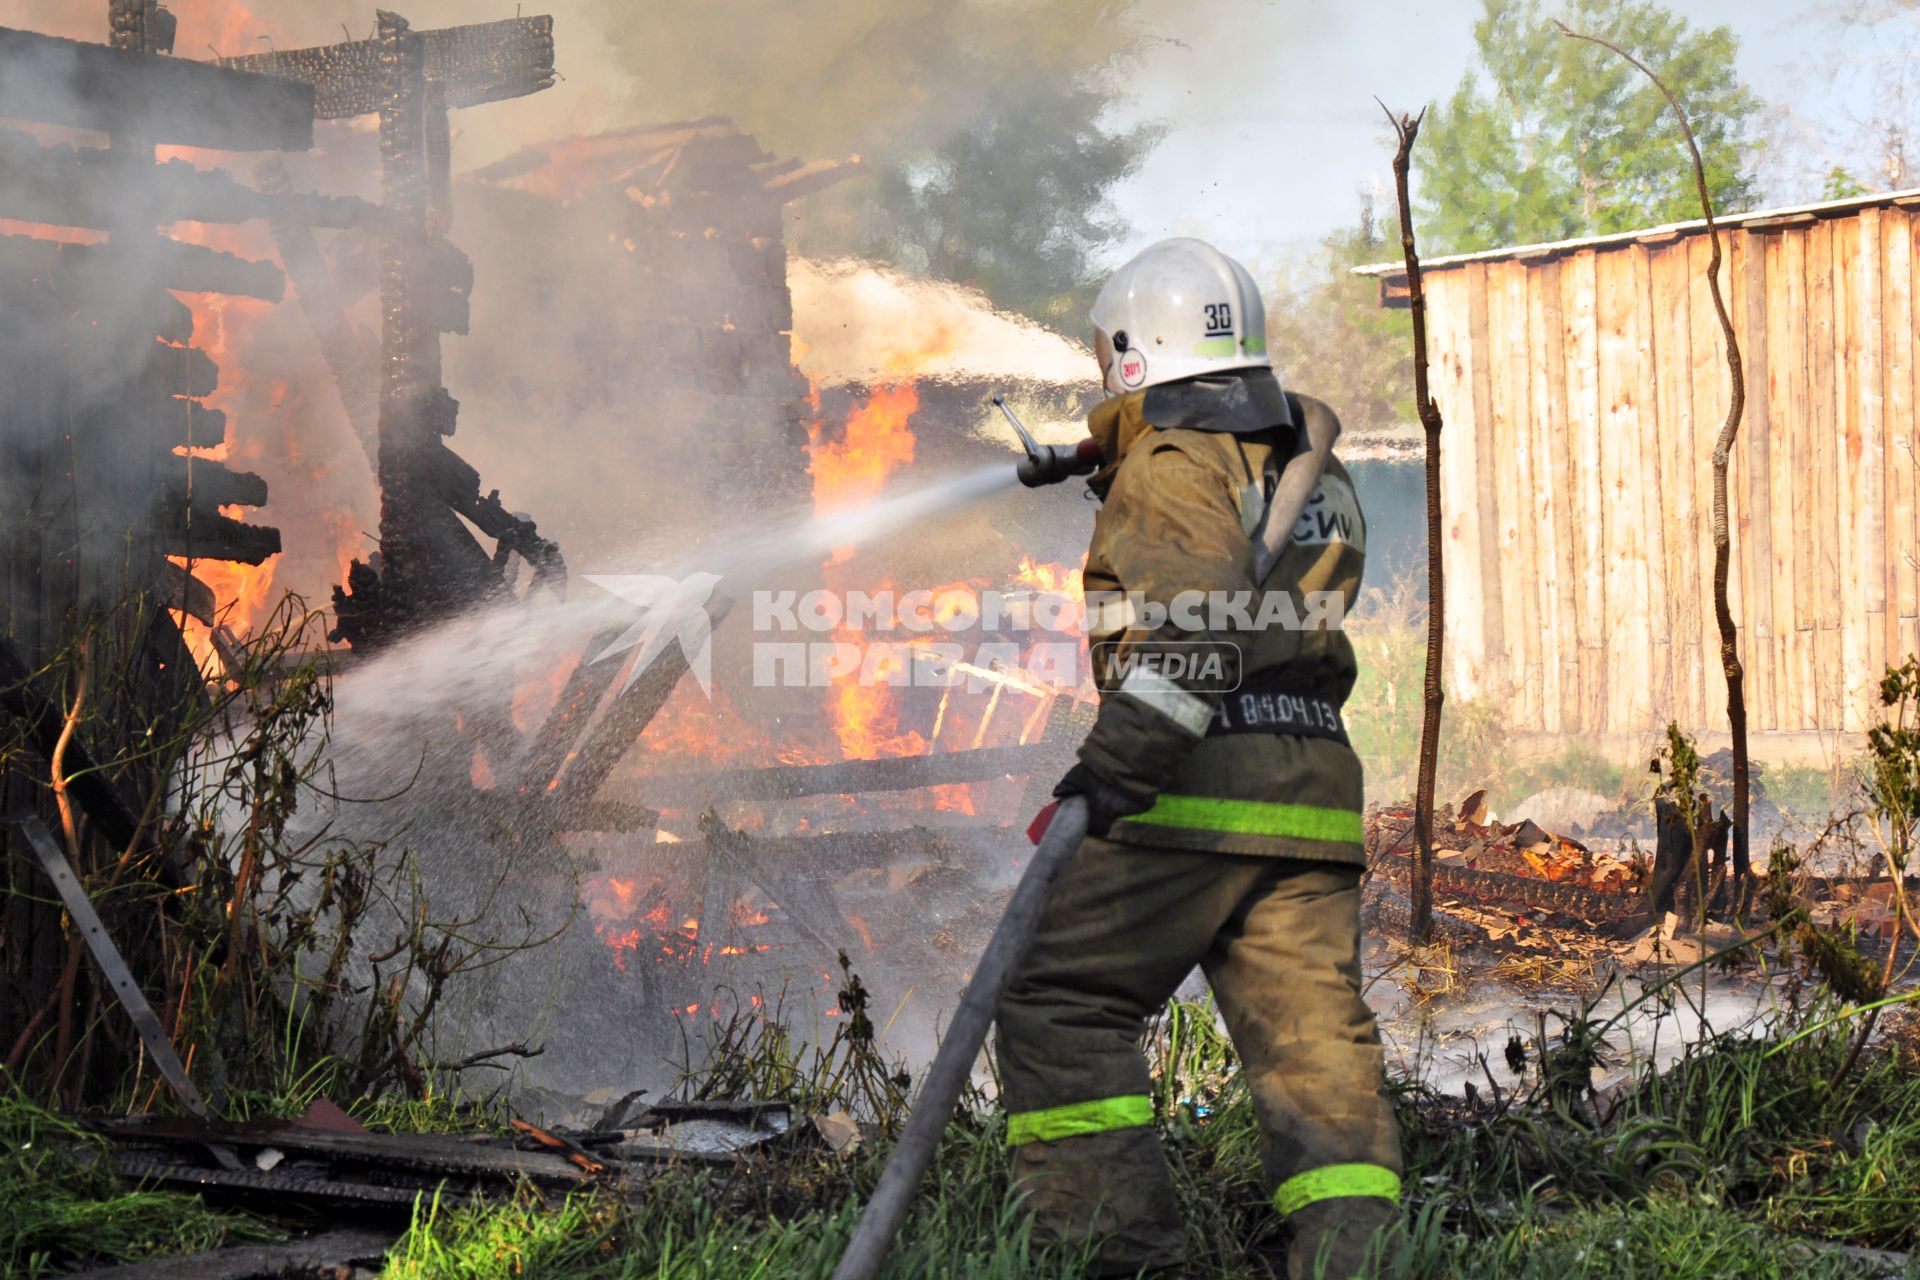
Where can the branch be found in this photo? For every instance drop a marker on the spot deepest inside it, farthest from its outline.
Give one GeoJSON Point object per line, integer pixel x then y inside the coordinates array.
{"type": "Point", "coordinates": [1407, 128]}
{"type": "Point", "coordinates": [1722, 453]}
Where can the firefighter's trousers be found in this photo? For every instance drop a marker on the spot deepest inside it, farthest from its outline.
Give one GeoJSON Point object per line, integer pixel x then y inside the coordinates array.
{"type": "Point", "coordinates": [1278, 940]}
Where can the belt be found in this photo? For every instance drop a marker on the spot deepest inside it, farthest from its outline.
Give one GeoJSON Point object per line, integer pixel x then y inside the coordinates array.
{"type": "Point", "coordinates": [1268, 706]}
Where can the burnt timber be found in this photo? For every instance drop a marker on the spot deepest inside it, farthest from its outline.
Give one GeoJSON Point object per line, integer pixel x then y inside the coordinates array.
{"type": "Point", "coordinates": [108, 500]}
{"type": "Point", "coordinates": [429, 565]}
{"type": "Point", "coordinates": [113, 90]}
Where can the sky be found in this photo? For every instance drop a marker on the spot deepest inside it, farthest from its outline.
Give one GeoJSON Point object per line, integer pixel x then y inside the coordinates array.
{"type": "Point", "coordinates": [1275, 131]}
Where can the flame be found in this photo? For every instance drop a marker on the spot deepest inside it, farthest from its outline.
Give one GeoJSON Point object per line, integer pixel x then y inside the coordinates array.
{"type": "Point", "coordinates": [953, 797]}
{"type": "Point", "coordinates": [854, 467]}
{"type": "Point", "coordinates": [47, 231]}
{"type": "Point", "coordinates": [215, 28]}
{"type": "Point", "coordinates": [876, 440]}
{"type": "Point", "coordinates": [535, 697]}
{"type": "Point", "coordinates": [709, 727]}
{"type": "Point", "coordinates": [1054, 579]}
{"type": "Point", "coordinates": [860, 927]}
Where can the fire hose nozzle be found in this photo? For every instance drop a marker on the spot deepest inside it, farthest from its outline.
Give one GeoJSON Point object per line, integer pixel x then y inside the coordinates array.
{"type": "Point", "coordinates": [1050, 463]}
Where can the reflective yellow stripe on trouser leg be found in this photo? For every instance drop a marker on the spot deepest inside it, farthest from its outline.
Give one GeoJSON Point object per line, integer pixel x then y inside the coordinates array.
{"type": "Point", "coordinates": [1333, 1181]}
{"type": "Point", "coordinates": [1129, 1111]}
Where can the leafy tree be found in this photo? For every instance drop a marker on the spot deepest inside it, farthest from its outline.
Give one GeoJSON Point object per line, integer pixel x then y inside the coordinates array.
{"type": "Point", "coordinates": [1549, 139]}
{"type": "Point", "coordinates": [1330, 336]}
{"type": "Point", "coordinates": [1015, 204]}
{"type": "Point", "coordinates": [1841, 185]}
{"type": "Point", "coordinates": [983, 123]}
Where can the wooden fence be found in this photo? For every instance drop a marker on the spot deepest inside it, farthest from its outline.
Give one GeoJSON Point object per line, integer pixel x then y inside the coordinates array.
{"type": "Point", "coordinates": [1584, 385]}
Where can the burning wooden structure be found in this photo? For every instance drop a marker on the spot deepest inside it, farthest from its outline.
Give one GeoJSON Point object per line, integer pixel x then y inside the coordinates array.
{"type": "Point", "coordinates": [118, 510]}
{"type": "Point", "coordinates": [1584, 383]}
{"type": "Point", "coordinates": [677, 365]}
{"type": "Point", "coordinates": [430, 565]}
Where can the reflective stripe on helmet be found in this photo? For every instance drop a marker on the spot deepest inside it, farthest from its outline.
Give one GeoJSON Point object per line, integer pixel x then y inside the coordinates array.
{"type": "Point", "coordinates": [1129, 1111]}
{"type": "Point", "coordinates": [1336, 1181]}
{"type": "Point", "coordinates": [1253, 818]}
{"type": "Point", "coordinates": [1188, 711]}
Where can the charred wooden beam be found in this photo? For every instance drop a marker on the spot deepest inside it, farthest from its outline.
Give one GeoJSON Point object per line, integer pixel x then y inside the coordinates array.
{"type": "Point", "coordinates": [330, 1253]}
{"type": "Point", "coordinates": [182, 591]}
{"type": "Point", "coordinates": [780, 863]}
{"type": "Point", "coordinates": [484, 62]}
{"type": "Point", "coordinates": [190, 268]}
{"type": "Point", "coordinates": [172, 100]}
{"type": "Point", "coordinates": [854, 777]}
{"type": "Point", "coordinates": [201, 533]}
{"type": "Point", "coordinates": [603, 743]}
{"type": "Point", "coordinates": [204, 483]}
{"type": "Point", "coordinates": [91, 187]}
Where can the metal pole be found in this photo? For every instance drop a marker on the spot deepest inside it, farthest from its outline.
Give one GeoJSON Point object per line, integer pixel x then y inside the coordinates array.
{"type": "Point", "coordinates": [53, 860]}
{"type": "Point", "coordinates": [940, 1091]}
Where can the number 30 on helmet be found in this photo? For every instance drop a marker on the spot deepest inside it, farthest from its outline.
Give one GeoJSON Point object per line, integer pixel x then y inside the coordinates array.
{"type": "Point", "coordinates": [1178, 309]}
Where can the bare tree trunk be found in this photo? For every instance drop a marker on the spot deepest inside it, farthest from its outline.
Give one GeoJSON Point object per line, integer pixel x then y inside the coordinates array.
{"type": "Point", "coordinates": [1408, 128]}
{"type": "Point", "coordinates": [1722, 454]}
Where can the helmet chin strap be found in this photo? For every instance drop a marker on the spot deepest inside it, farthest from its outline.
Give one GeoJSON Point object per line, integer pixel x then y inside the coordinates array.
{"type": "Point", "coordinates": [1314, 445]}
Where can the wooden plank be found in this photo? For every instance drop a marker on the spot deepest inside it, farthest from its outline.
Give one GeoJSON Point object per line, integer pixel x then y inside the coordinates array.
{"type": "Point", "coordinates": [1507, 331]}
{"type": "Point", "coordinates": [483, 62]}
{"type": "Point", "coordinates": [1579, 292]}
{"type": "Point", "coordinates": [1816, 570]}
{"type": "Point", "coordinates": [1756, 550]}
{"type": "Point", "coordinates": [1486, 507]}
{"type": "Point", "coordinates": [1902, 461]}
{"type": "Point", "coordinates": [168, 263]}
{"type": "Point", "coordinates": [1788, 395]}
{"type": "Point", "coordinates": [1532, 608]}
{"type": "Point", "coordinates": [169, 100]}
{"type": "Point", "coordinates": [1866, 615]}
{"type": "Point", "coordinates": [1654, 696]}
{"type": "Point", "coordinates": [1624, 411]}
{"type": "Point", "coordinates": [330, 1252]}
{"type": "Point", "coordinates": [1549, 486]}
{"type": "Point", "coordinates": [93, 187]}
{"type": "Point", "coordinates": [1672, 438]}
{"type": "Point", "coordinates": [1839, 650]}
{"type": "Point", "coordinates": [1452, 358]}
{"type": "Point", "coordinates": [848, 777]}
{"type": "Point", "coordinates": [1656, 645]}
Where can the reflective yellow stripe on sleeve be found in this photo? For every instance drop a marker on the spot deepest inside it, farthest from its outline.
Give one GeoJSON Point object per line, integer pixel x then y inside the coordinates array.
{"type": "Point", "coordinates": [1253, 817]}
{"type": "Point", "coordinates": [1129, 1111]}
{"type": "Point", "coordinates": [1334, 1181]}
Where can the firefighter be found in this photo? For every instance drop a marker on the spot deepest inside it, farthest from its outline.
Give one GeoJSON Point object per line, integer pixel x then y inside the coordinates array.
{"type": "Point", "coordinates": [1224, 828]}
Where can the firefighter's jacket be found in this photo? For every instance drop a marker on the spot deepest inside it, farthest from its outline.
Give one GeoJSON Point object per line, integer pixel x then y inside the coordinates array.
{"type": "Point", "coordinates": [1181, 503]}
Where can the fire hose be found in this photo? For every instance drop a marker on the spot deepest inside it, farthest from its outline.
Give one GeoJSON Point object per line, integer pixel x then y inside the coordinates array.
{"type": "Point", "coordinates": [940, 1091]}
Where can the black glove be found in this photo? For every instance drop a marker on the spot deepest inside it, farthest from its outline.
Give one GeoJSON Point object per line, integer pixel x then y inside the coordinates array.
{"type": "Point", "coordinates": [1106, 803]}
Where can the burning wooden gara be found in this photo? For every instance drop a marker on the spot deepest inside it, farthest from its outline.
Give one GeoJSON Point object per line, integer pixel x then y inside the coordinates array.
{"type": "Point", "coordinates": [107, 421]}
{"type": "Point", "coordinates": [116, 489]}
{"type": "Point", "coordinates": [105, 403]}
{"type": "Point", "coordinates": [429, 565]}
{"type": "Point", "coordinates": [660, 372]}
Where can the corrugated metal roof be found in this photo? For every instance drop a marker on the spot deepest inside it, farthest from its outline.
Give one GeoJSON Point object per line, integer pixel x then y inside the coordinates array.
{"type": "Point", "coordinates": [1672, 230]}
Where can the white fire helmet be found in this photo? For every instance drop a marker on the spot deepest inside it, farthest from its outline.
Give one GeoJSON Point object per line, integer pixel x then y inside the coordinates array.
{"type": "Point", "coordinates": [1178, 309]}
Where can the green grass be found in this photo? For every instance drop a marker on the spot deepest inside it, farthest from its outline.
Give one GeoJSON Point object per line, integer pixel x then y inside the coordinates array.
{"type": "Point", "coordinates": [1734, 1161]}
{"type": "Point", "coordinates": [63, 1206]}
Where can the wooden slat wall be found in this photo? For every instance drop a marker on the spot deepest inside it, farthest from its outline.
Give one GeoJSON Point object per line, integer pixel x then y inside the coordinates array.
{"type": "Point", "coordinates": [1583, 396]}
